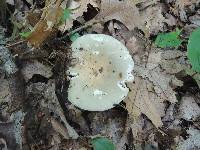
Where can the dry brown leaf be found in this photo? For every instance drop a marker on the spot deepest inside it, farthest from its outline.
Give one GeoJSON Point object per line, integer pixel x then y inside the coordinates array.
{"type": "Point", "coordinates": [148, 94]}
{"type": "Point", "coordinates": [171, 66]}
{"type": "Point", "coordinates": [170, 61]}
{"type": "Point", "coordinates": [34, 67]}
{"type": "Point", "coordinates": [33, 17]}
{"type": "Point", "coordinates": [153, 85]}
{"type": "Point", "coordinates": [153, 18]}
{"type": "Point", "coordinates": [59, 128]}
{"type": "Point", "coordinates": [182, 3]}
{"type": "Point", "coordinates": [192, 142]}
{"type": "Point", "coordinates": [161, 80]}
{"type": "Point", "coordinates": [162, 85]}
{"type": "Point", "coordinates": [49, 19]}
{"type": "Point", "coordinates": [123, 11]}
{"type": "Point", "coordinates": [109, 124]}
{"type": "Point", "coordinates": [172, 54]}
{"type": "Point", "coordinates": [141, 100]}
{"type": "Point", "coordinates": [98, 28]}
{"type": "Point", "coordinates": [39, 35]}
{"type": "Point", "coordinates": [189, 109]}
{"type": "Point", "coordinates": [77, 9]}
{"type": "Point", "coordinates": [83, 5]}
{"type": "Point", "coordinates": [50, 102]}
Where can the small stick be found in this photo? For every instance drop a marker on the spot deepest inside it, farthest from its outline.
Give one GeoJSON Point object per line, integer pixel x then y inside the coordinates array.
{"type": "Point", "coordinates": [13, 44]}
{"type": "Point", "coordinates": [87, 24]}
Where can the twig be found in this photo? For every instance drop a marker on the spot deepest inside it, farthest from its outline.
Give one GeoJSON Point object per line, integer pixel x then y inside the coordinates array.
{"type": "Point", "coordinates": [87, 24]}
{"type": "Point", "coordinates": [14, 44]}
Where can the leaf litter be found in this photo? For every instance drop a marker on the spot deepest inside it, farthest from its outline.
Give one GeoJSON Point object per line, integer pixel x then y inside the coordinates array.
{"type": "Point", "coordinates": [161, 110]}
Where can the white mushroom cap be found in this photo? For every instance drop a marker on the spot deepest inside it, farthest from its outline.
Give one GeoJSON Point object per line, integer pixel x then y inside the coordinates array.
{"type": "Point", "coordinates": [99, 75]}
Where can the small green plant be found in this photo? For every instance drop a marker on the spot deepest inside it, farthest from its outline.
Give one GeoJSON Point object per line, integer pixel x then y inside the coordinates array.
{"type": "Point", "coordinates": [193, 48]}
{"type": "Point", "coordinates": [25, 34]}
{"type": "Point", "coordinates": [101, 143]}
{"type": "Point", "coordinates": [168, 40]}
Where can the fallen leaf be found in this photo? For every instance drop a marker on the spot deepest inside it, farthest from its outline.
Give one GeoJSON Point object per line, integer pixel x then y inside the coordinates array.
{"type": "Point", "coordinates": [123, 11]}
{"type": "Point", "coordinates": [59, 128]}
{"type": "Point", "coordinates": [195, 19]}
{"type": "Point", "coordinates": [171, 66]}
{"type": "Point", "coordinates": [182, 3]}
{"type": "Point", "coordinates": [25, 34]}
{"type": "Point", "coordinates": [172, 54]}
{"type": "Point", "coordinates": [101, 143]}
{"type": "Point", "coordinates": [161, 82]}
{"type": "Point", "coordinates": [140, 100]}
{"type": "Point", "coordinates": [169, 116]}
{"type": "Point", "coordinates": [98, 28]}
{"type": "Point", "coordinates": [193, 49]}
{"type": "Point", "coordinates": [33, 17]}
{"type": "Point", "coordinates": [192, 142]}
{"type": "Point", "coordinates": [49, 101]}
{"type": "Point", "coordinates": [34, 67]}
{"type": "Point", "coordinates": [77, 8]}
{"type": "Point", "coordinates": [109, 124]}
{"type": "Point", "coordinates": [142, 129]}
{"type": "Point", "coordinates": [162, 85]}
{"type": "Point", "coordinates": [152, 86]}
{"type": "Point", "coordinates": [168, 40]}
{"type": "Point", "coordinates": [136, 48]}
{"type": "Point", "coordinates": [189, 109]}
{"type": "Point", "coordinates": [154, 19]}
{"type": "Point", "coordinates": [49, 19]}
{"type": "Point", "coordinates": [83, 6]}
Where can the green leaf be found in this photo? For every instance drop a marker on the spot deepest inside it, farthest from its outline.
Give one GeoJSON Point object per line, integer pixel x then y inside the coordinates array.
{"type": "Point", "coordinates": [101, 143]}
{"type": "Point", "coordinates": [168, 40]}
{"type": "Point", "coordinates": [74, 36]}
{"type": "Point", "coordinates": [193, 48]}
{"type": "Point", "coordinates": [25, 34]}
{"type": "Point", "coordinates": [65, 16]}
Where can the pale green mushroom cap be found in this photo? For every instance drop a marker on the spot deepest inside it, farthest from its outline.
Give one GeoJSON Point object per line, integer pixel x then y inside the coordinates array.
{"type": "Point", "coordinates": [103, 67]}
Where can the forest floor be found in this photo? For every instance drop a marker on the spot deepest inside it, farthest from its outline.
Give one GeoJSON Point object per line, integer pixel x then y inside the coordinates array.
{"type": "Point", "coordinates": [162, 109]}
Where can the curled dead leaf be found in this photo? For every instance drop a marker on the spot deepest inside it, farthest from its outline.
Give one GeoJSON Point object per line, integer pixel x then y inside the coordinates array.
{"type": "Point", "coordinates": [82, 7]}
{"type": "Point", "coordinates": [77, 8]}
{"type": "Point", "coordinates": [153, 86]}
{"type": "Point", "coordinates": [49, 19]}
{"type": "Point", "coordinates": [34, 67]}
{"type": "Point", "coordinates": [182, 3]}
{"type": "Point", "coordinates": [154, 19]}
{"type": "Point", "coordinates": [123, 11]}
{"type": "Point", "coordinates": [141, 100]}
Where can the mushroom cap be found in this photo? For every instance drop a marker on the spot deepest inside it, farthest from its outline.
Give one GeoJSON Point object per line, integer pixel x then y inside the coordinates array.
{"type": "Point", "coordinates": [98, 77]}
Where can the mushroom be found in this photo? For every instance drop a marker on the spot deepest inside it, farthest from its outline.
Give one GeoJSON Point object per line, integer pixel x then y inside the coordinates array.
{"type": "Point", "coordinates": [97, 79]}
